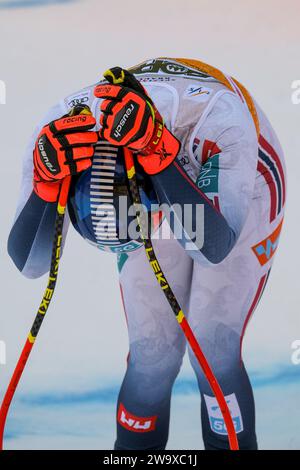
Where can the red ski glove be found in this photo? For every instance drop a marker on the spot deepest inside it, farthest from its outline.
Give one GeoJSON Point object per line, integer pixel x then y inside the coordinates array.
{"type": "Point", "coordinates": [129, 118]}
{"type": "Point", "coordinates": [64, 147]}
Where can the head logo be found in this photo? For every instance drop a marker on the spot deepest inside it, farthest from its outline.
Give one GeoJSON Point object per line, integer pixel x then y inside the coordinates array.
{"type": "Point", "coordinates": [265, 249]}
{"type": "Point", "coordinates": [135, 423]}
{"type": "Point", "coordinates": [167, 66]}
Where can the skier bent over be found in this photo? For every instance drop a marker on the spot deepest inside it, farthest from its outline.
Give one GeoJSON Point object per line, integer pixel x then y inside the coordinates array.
{"type": "Point", "coordinates": [198, 138]}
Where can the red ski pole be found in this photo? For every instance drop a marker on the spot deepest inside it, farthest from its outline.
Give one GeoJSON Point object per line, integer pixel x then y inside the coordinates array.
{"type": "Point", "coordinates": [48, 294]}
{"type": "Point", "coordinates": [182, 321]}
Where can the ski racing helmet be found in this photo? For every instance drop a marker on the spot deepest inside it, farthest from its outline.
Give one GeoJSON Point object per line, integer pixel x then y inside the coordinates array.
{"type": "Point", "coordinates": [100, 204]}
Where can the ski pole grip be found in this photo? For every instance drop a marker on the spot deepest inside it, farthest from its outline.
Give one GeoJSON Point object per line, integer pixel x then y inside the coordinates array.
{"type": "Point", "coordinates": [64, 190]}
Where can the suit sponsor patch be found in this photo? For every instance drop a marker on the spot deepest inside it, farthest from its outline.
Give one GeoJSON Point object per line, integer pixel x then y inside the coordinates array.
{"type": "Point", "coordinates": [215, 416]}
{"type": "Point", "coordinates": [135, 423]}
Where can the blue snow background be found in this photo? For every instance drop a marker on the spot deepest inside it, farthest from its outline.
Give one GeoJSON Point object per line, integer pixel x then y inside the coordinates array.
{"type": "Point", "coordinates": [11, 4]}
{"type": "Point", "coordinates": [84, 420]}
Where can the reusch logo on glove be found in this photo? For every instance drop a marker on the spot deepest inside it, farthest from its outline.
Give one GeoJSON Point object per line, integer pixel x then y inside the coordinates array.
{"type": "Point", "coordinates": [43, 143]}
{"type": "Point", "coordinates": [135, 423]}
{"type": "Point", "coordinates": [122, 125]}
{"type": "Point", "coordinates": [64, 147]}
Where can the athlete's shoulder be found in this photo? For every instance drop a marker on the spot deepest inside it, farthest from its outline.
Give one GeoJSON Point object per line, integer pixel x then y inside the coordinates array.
{"type": "Point", "coordinates": [228, 126]}
{"type": "Point", "coordinates": [230, 110]}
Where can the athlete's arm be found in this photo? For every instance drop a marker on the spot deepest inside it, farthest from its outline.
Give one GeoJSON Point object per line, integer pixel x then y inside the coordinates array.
{"type": "Point", "coordinates": [228, 125]}
{"type": "Point", "coordinates": [29, 241]}
{"type": "Point", "coordinates": [62, 147]}
{"type": "Point", "coordinates": [227, 160]}
{"type": "Point", "coordinates": [226, 151]}
{"type": "Point", "coordinates": [227, 155]}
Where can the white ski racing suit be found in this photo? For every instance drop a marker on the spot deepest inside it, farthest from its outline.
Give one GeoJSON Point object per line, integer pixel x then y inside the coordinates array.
{"type": "Point", "coordinates": [243, 174]}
